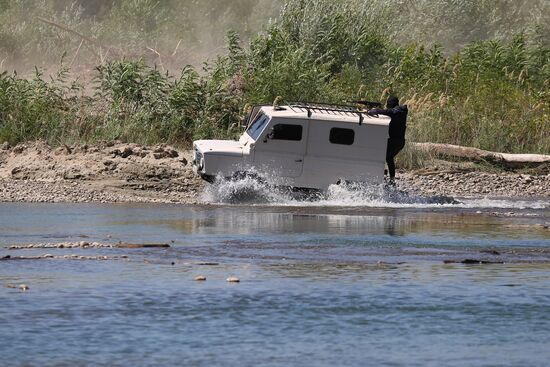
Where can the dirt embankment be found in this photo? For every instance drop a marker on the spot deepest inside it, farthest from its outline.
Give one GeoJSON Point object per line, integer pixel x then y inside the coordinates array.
{"type": "Point", "coordinates": [109, 172]}
{"type": "Point", "coordinates": [117, 172]}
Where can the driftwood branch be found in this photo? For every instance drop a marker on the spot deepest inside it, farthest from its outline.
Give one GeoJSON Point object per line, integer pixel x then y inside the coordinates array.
{"type": "Point", "coordinates": [159, 56]}
{"type": "Point", "coordinates": [72, 31]}
{"type": "Point", "coordinates": [479, 155]}
{"type": "Point", "coordinates": [88, 42]}
{"type": "Point", "coordinates": [76, 54]}
{"type": "Point", "coordinates": [176, 49]}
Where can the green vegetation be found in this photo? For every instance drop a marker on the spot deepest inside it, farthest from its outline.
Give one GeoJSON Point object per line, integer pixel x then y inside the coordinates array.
{"type": "Point", "coordinates": [169, 33]}
{"type": "Point", "coordinates": [492, 93]}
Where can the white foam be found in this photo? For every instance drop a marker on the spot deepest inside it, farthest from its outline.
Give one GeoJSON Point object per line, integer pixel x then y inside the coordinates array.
{"type": "Point", "coordinates": [244, 190]}
{"type": "Point", "coordinates": [250, 190]}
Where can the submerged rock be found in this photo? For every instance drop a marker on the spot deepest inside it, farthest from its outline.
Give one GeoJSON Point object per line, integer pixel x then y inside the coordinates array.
{"type": "Point", "coordinates": [492, 252]}
{"type": "Point", "coordinates": [472, 262]}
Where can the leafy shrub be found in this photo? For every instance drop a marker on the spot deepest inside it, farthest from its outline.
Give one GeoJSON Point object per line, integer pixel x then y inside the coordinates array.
{"type": "Point", "coordinates": [492, 94]}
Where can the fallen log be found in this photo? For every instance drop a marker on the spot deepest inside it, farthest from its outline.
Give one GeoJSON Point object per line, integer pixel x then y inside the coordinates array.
{"type": "Point", "coordinates": [142, 245]}
{"type": "Point", "coordinates": [479, 155]}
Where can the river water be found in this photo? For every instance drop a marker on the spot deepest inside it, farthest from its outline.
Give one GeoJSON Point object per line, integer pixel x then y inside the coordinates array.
{"type": "Point", "coordinates": [324, 284]}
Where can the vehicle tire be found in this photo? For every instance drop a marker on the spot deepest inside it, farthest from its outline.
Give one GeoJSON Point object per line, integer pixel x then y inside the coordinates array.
{"type": "Point", "coordinates": [241, 175]}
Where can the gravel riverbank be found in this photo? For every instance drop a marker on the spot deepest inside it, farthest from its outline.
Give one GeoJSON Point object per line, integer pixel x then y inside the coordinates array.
{"type": "Point", "coordinates": [476, 184]}
{"type": "Point", "coordinates": [116, 172]}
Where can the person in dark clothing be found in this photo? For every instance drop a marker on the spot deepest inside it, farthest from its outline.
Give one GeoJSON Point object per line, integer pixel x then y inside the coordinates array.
{"type": "Point", "coordinates": [398, 125]}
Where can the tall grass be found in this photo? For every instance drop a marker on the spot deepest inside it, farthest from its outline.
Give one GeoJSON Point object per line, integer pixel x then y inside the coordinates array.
{"type": "Point", "coordinates": [492, 94]}
{"type": "Point", "coordinates": [130, 102]}
{"type": "Point", "coordinates": [168, 33]}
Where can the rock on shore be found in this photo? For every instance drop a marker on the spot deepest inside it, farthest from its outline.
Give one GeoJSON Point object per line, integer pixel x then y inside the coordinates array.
{"type": "Point", "coordinates": [117, 172]}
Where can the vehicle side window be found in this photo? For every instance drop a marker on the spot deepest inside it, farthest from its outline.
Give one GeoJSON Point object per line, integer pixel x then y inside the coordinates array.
{"type": "Point", "coordinates": [341, 136]}
{"type": "Point", "coordinates": [286, 132]}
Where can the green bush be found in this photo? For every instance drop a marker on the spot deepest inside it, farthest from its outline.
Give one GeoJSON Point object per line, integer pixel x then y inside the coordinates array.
{"type": "Point", "coordinates": [492, 94]}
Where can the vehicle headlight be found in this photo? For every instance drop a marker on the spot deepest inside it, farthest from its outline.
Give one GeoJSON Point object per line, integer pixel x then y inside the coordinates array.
{"type": "Point", "coordinates": [197, 156]}
{"type": "Point", "coordinates": [198, 160]}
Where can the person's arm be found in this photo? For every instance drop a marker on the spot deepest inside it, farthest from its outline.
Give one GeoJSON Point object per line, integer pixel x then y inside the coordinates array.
{"type": "Point", "coordinates": [381, 111]}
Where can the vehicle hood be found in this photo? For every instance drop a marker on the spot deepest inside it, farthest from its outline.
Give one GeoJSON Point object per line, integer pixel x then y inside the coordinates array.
{"type": "Point", "coordinates": [219, 147]}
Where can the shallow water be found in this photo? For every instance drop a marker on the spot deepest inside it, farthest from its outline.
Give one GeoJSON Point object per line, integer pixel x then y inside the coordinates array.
{"type": "Point", "coordinates": [320, 285]}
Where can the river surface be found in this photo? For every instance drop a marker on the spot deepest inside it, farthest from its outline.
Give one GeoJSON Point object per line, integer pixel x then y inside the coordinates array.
{"type": "Point", "coordinates": [321, 285]}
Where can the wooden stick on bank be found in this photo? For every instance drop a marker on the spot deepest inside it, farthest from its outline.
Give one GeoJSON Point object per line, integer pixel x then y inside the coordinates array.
{"type": "Point", "coordinates": [480, 155]}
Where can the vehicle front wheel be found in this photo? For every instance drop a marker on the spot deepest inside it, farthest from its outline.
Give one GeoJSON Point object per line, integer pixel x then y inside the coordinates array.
{"type": "Point", "coordinates": [241, 175]}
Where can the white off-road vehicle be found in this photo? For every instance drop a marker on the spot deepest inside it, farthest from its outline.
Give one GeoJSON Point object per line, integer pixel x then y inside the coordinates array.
{"type": "Point", "coordinates": [301, 145]}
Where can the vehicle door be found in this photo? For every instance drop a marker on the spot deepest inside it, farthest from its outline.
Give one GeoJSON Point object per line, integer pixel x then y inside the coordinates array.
{"type": "Point", "coordinates": [281, 148]}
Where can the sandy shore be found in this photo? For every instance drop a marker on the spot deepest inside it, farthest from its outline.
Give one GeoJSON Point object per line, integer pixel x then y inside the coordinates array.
{"type": "Point", "coordinates": [116, 172]}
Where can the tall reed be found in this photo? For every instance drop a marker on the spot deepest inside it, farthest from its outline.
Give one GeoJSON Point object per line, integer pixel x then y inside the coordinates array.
{"type": "Point", "coordinates": [492, 94]}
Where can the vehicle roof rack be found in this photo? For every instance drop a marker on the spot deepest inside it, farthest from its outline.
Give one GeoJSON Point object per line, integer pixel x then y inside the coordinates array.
{"type": "Point", "coordinates": [334, 109]}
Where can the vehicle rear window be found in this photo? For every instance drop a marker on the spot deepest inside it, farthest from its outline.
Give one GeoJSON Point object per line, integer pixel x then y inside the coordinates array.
{"type": "Point", "coordinates": [287, 132]}
{"type": "Point", "coordinates": [257, 126]}
{"type": "Point", "coordinates": [341, 136]}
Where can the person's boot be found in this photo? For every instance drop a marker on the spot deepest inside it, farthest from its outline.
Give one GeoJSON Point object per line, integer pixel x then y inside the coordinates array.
{"type": "Point", "coordinates": [390, 183]}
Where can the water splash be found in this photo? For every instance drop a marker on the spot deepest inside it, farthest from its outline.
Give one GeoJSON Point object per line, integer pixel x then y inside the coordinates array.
{"type": "Point", "coordinates": [245, 190]}
{"type": "Point", "coordinates": [251, 190]}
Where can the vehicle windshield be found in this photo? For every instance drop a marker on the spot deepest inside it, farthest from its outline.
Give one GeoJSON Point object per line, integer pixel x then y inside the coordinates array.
{"type": "Point", "coordinates": [256, 128]}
